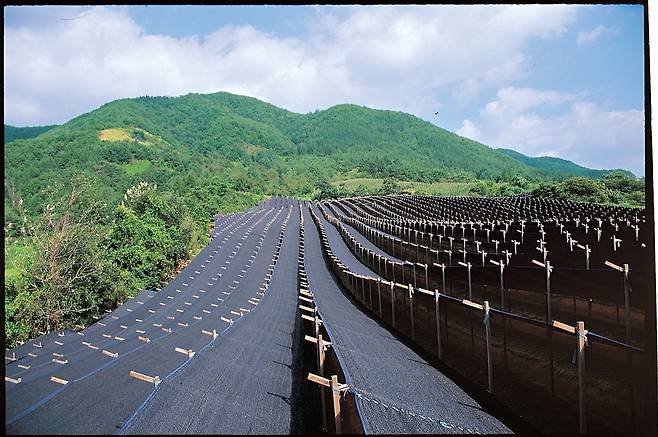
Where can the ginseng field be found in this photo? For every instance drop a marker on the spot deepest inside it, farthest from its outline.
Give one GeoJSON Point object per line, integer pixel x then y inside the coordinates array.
{"type": "Point", "coordinates": [381, 314]}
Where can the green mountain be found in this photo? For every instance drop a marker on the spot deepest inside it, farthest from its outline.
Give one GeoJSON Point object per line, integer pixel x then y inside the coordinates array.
{"type": "Point", "coordinates": [20, 133]}
{"type": "Point", "coordinates": [557, 167]}
{"type": "Point", "coordinates": [241, 145]}
{"type": "Point", "coordinates": [124, 193]}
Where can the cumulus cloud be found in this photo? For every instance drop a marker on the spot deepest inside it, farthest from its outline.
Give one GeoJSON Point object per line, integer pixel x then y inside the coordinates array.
{"type": "Point", "coordinates": [585, 37]}
{"type": "Point", "coordinates": [578, 130]}
{"type": "Point", "coordinates": [386, 57]}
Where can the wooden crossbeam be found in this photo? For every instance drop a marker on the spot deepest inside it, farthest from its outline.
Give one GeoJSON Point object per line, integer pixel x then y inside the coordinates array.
{"type": "Point", "coordinates": [152, 379]}
{"type": "Point", "coordinates": [564, 327]}
{"type": "Point", "coordinates": [319, 380]}
{"type": "Point", "coordinates": [187, 352]}
{"type": "Point", "coordinates": [58, 380]}
{"type": "Point", "coordinates": [315, 340]}
{"type": "Point", "coordinates": [212, 334]}
{"type": "Point", "coordinates": [614, 266]}
{"type": "Point", "coordinates": [472, 304]}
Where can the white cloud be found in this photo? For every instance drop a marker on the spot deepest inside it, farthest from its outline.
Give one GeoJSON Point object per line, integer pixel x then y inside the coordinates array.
{"type": "Point", "coordinates": [387, 57]}
{"type": "Point", "coordinates": [580, 131]}
{"type": "Point", "coordinates": [469, 130]}
{"type": "Point", "coordinates": [592, 35]}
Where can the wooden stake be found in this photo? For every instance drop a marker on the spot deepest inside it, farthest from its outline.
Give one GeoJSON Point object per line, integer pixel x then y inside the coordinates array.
{"type": "Point", "coordinates": [582, 413]}
{"type": "Point", "coordinates": [487, 331]}
{"type": "Point", "coordinates": [411, 312]}
{"type": "Point", "coordinates": [336, 398]}
{"type": "Point", "coordinates": [438, 323]}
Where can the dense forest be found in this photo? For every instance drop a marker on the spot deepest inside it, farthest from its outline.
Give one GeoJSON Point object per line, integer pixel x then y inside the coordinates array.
{"type": "Point", "coordinates": [125, 193]}
{"type": "Point", "coordinates": [13, 133]}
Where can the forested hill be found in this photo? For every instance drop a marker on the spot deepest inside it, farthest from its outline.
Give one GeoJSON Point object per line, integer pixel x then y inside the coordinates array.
{"type": "Point", "coordinates": [245, 145]}
{"type": "Point", "coordinates": [12, 133]}
{"type": "Point", "coordinates": [556, 167]}
{"type": "Point", "coordinates": [119, 199]}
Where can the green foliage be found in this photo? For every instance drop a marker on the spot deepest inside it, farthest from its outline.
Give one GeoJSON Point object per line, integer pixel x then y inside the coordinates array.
{"type": "Point", "coordinates": [389, 186]}
{"type": "Point", "coordinates": [61, 283]}
{"type": "Point", "coordinates": [556, 168]}
{"type": "Point", "coordinates": [149, 235]}
{"type": "Point", "coordinates": [622, 182]}
{"type": "Point", "coordinates": [13, 133]}
{"type": "Point", "coordinates": [615, 188]}
{"type": "Point", "coordinates": [208, 154]}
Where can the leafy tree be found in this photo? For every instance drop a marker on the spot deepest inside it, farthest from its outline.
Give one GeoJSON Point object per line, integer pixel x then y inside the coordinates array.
{"type": "Point", "coordinates": [622, 182]}
{"type": "Point", "coordinates": [361, 190]}
{"type": "Point", "coordinates": [389, 186]}
{"type": "Point", "coordinates": [67, 272]}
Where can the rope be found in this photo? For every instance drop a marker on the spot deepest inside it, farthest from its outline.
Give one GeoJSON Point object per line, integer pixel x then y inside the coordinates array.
{"type": "Point", "coordinates": [434, 421]}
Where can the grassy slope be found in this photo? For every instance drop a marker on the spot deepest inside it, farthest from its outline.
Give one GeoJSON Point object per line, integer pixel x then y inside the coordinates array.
{"type": "Point", "coordinates": [434, 188]}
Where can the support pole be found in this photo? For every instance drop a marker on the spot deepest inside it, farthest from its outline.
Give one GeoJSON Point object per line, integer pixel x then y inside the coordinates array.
{"type": "Point", "coordinates": [582, 413]}
{"type": "Point", "coordinates": [487, 331]}
{"type": "Point", "coordinates": [379, 295]}
{"type": "Point", "coordinates": [393, 302]}
{"type": "Point", "coordinates": [411, 312]}
{"type": "Point", "coordinates": [320, 349]}
{"type": "Point", "coordinates": [627, 303]}
{"type": "Point", "coordinates": [438, 323]}
{"type": "Point", "coordinates": [336, 398]}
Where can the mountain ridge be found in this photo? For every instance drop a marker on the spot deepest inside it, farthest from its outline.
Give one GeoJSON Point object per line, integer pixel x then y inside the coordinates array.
{"type": "Point", "coordinates": [253, 146]}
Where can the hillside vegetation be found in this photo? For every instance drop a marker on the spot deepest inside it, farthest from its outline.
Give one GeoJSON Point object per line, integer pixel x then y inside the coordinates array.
{"type": "Point", "coordinates": [128, 191]}
{"type": "Point", "coordinates": [13, 133]}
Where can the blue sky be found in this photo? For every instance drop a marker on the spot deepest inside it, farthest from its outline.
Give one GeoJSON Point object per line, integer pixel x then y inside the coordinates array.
{"type": "Point", "coordinates": [545, 80]}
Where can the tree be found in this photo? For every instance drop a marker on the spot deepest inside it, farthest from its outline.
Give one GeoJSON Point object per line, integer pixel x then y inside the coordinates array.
{"type": "Point", "coordinates": [68, 270]}
{"type": "Point", "coordinates": [389, 186]}
{"type": "Point", "coordinates": [326, 190]}
{"type": "Point", "coordinates": [583, 189]}
{"type": "Point", "coordinates": [622, 182]}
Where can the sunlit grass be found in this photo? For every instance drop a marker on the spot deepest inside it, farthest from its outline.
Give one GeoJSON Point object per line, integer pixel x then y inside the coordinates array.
{"type": "Point", "coordinates": [434, 188]}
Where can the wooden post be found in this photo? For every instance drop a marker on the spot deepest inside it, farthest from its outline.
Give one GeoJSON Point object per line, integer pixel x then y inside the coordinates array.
{"type": "Point", "coordinates": [582, 413]}
{"type": "Point", "coordinates": [411, 311]}
{"type": "Point", "coordinates": [393, 302]}
{"type": "Point", "coordinates": [320, 349]}
{"type": "Point", "coordinates": [438, 323]}
{"type": "Point", "coordinates": [336, 399]}
{"type": "Point", "coordinates": [487, 331]}
{"type": "Point", "coordinates": [379, 295]}
{"type": "Point", "coordinates": [627, 304]}
{"type": "Point", "coordinates": [370, 292]}
{"type": "Point", "coordinates": [470, 292]}
{"type": "Point", "coordinates": [548, 292]}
